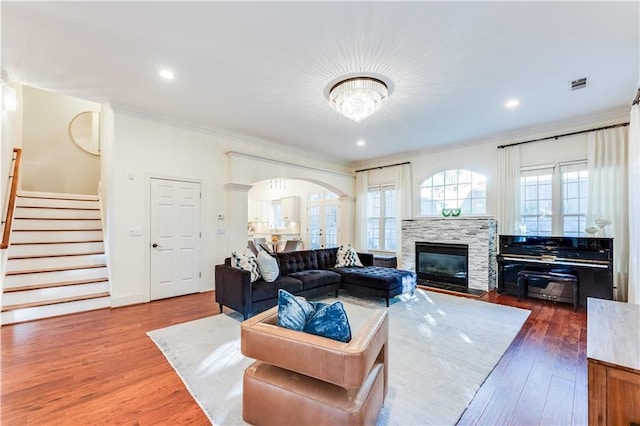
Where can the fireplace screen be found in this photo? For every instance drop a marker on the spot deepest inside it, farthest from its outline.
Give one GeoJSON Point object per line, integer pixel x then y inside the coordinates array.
{"type": "Point", "coordinates": [442, 263]}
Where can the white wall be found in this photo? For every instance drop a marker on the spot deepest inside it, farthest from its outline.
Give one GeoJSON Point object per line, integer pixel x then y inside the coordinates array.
{"type": "Point", "coordinates": [482, 157]}
{"type": "Point", "coordinates": [52, 162]}
{"type": "Point", "coordinates": [145, 147]}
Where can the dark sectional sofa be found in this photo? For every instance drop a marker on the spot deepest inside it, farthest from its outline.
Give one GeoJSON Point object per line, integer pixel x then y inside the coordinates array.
{"type": "Point", "coordinates": [308, 273]}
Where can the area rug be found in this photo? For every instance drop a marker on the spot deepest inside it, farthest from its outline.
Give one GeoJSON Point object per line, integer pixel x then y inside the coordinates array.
{"type": "Point", "coordinates": [441, 349]}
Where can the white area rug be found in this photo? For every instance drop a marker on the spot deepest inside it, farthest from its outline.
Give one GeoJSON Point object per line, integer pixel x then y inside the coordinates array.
{"type": "Point", "coordinates": [441, 349]}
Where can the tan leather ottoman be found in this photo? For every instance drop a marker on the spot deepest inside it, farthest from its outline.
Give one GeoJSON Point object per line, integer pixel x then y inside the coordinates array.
{"type": "Point", "coordinates": [275, 396]}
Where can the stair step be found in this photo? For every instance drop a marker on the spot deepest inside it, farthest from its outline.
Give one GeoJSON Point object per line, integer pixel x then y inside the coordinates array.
{"type": "Point", "coordinates": [37, 224]}
{"type": "Point", "coordinates": [54, 302]}
{"type": "Point", "coordinates": [55, 236]}
{"type": "Point", "coordinates": [51, 295]}
{"type": "Point", "coordinates": [53, 263]}
{"type": "Point", "coordinates": [55, 255]}
{"type": "Point", "coordinates": [42, 278]}
{"type": "Point", "coordinates": [48, 311]}
{"type": "Point", "coordinates": [57, 195]}
{"type": "Point", "coordinates": [56, 203]}
{"type": "Point", "coordinates": [58, 269]}
{"type": "Point", "coordinates": [60, 213]}
{"type": "Point", "coordinates": [58, 284]}
{"type": "Point", "coordinates": [17, 250]}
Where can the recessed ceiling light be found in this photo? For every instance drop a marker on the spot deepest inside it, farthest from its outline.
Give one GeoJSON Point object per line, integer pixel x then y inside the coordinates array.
{"type": "Point", "coordinates": [166, 74]}
{"type": "Point", "coordinates": [512, 103]}
{"type": "Point", "coordinates": [361, 143]}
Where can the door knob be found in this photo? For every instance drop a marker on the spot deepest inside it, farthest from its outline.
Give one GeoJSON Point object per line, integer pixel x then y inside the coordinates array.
{"type": "Point", "coordinates": [154, 245]}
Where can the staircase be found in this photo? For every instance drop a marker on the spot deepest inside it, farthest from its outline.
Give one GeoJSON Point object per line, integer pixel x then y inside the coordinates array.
{"type": "Point", "coordinates": [56, 262]}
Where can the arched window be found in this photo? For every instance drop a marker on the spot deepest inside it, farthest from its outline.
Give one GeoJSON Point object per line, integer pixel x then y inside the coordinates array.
{"type": "Point", "coordinates": [452, 189]}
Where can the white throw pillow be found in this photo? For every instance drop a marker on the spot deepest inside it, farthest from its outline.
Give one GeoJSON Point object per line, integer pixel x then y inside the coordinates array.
{"type": "Point", "coordinates": [268, 266]}
{"type": "Point", "coordinates": [347, 256]}
{"type": "Point", "coordinates": [247, 262]}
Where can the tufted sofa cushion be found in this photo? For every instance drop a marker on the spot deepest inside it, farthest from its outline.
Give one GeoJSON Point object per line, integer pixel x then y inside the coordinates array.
{"type": "Point", "coordinates": [262, 290]}
{"type": "Point", "coordinates": [316, 278]}
{"type": "Point", "coordinates": [297, 261]}
{"type": "Point", "coordinates": [327, 258]}
{"type": "Point", "coordinates": [379, 277]}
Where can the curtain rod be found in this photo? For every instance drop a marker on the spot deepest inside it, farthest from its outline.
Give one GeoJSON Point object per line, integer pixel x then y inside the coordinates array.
{"type": "Point", "coordinates": [565, 134]}
{"type": "Point", "coordinates": [382, 167]}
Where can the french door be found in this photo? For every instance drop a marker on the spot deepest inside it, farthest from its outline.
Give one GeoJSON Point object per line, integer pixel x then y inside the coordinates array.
{"type": "Point", "coordinates": [175, 238]}
{"type": "Point", "coordinates": [323, 219]}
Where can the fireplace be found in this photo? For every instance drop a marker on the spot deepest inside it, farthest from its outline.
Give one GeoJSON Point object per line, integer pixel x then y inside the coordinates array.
{"type": "Point", "coordinates": [440, 264]}
{"type": "Point", "coordinates": [478, 233]}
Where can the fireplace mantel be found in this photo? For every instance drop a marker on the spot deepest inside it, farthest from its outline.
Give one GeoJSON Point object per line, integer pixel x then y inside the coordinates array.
{"type": "Point", "coordinates": [479, 233]}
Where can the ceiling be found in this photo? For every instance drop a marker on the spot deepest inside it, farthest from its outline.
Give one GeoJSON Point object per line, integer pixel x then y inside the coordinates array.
{"type": "Point", "coordinates": [262, 69]}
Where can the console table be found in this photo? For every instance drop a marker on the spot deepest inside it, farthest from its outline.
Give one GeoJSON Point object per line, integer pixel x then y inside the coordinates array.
{"type": "Point", "coordinates": [613, 354]}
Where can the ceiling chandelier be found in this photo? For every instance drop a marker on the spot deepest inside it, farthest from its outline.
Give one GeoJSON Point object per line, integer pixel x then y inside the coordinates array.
{"type": "Point", "coordinates": [359, 97]}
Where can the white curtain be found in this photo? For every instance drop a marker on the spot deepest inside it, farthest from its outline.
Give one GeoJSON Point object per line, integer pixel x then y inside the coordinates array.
{"type": "Point", "coordinates": [607, 200]}
{"type": "Point", "coordinates": [404, 208]}
{"type": "Point", "coordinates": [634, 206]}
{"type": "Point", "coordinates": [509, 190]}
{"type": "Point", "coordinates": [362, 193]}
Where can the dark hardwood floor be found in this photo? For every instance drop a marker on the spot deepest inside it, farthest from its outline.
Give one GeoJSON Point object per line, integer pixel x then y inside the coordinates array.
{"type": "Point", "coordinates": [542, 378]}
{"type": "Point", "coordinates": [100, 367]}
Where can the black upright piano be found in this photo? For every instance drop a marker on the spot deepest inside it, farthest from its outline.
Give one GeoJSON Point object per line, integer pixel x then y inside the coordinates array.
{"type": "Point", "coordinates": [590, 259]}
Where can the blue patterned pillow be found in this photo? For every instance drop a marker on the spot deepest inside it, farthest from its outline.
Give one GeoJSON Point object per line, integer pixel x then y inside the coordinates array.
{"type": "Point", "coordinates": [330, 321]}
{"type": "Point", "coordinates": [293, 312]}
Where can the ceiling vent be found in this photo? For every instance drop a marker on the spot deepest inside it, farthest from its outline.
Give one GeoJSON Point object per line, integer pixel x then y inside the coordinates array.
{"type": "Point", "coordinates": [580, 83]}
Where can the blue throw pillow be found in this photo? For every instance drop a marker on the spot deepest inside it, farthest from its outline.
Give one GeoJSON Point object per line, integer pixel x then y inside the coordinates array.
{"type": "Point", "coordinates": [293, 312]}
{"type": "Point", "coordinates": [330, 321]}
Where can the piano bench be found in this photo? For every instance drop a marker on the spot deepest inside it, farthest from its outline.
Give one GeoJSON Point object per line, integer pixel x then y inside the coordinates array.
{"type": "Point", "coordinates": [546, 277]}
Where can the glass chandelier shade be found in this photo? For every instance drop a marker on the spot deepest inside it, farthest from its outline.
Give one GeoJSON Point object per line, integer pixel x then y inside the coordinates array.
{"type": "Point", "coordinates": [359, 97]}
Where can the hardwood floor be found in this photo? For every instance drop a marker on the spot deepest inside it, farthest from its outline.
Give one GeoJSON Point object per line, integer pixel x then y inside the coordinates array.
{"type": "Point", "coordinates": [542, 378]}
{"type": "Point", "coordinates": [100, 367]}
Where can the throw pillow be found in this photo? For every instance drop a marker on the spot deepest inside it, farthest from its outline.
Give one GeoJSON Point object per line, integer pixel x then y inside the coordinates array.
{"type": "Point", "coordinates": [268, 266]}
{"type": "Point", "coordinates": [293, 312]}
{"type": "Point", "coordinates": [347, 256]}
{"type": "Point", "coordinates": [330, 321]}
{"type": "Point", "coordinates": [247, 262]}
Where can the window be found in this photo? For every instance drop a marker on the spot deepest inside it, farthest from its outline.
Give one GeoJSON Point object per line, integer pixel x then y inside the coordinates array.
{"type": "Point", "coordinates": [554, 199]}
{"type": "Point", "coordinates": [381, 218]}
{"type": "Point", "coordinates": [575, 186]}
{"type": "Point", "coordinates": [456, 188]}
{"type": "Point", "coordinates": [536, 201]}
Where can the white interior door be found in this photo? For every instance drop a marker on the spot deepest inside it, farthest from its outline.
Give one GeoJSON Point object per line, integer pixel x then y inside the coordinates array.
{"type": "Point", "coordinates": [175, 238]}
{"type": "Point", "coordinates": [323, 218]}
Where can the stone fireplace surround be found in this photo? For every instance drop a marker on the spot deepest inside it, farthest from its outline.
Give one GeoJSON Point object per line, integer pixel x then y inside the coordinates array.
{"type": "Point", "coordinates": [479, 233]}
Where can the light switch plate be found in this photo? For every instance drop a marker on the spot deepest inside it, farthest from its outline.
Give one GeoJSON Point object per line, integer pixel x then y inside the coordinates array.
{"type": "Point", "coordinates": [135, 231]}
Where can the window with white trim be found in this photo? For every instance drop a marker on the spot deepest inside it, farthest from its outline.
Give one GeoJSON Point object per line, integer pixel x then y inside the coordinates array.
{"type": "Point", "coordinates": [381, 218]}
{"type": "Point", "coordinates": [452, 189]}
{"type": "Point", "coordinates": [554, 199]}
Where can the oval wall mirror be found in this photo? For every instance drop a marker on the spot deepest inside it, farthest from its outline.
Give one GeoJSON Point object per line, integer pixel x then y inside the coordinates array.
{"type": "Point", "coordinates": [84, 130]}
